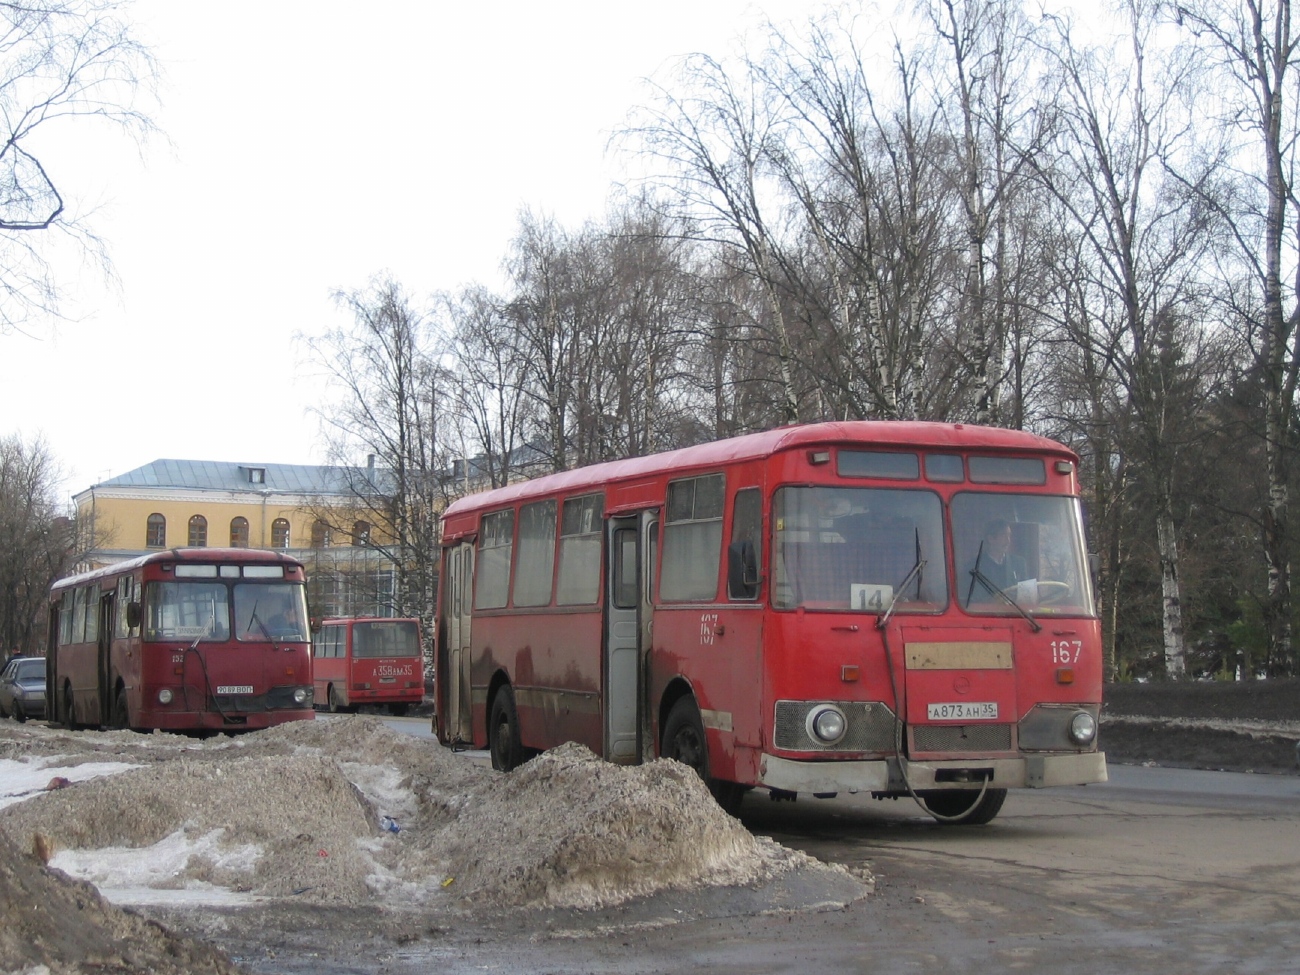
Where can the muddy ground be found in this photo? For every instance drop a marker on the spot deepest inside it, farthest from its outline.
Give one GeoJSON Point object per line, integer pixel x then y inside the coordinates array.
{"type": "Point", "coordinates": [52, 924]}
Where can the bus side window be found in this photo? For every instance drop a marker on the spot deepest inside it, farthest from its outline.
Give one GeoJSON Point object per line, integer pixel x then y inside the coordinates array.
{"type": "Point", "coordinates": [745, 551]}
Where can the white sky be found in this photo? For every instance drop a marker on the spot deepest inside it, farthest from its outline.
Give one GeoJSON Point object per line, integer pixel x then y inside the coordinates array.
{"type": "Point", "coordinates": [313, 145]}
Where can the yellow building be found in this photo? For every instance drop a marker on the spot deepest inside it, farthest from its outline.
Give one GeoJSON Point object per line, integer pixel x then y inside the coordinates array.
{"type": "Point", "coordinates": [323, 516]}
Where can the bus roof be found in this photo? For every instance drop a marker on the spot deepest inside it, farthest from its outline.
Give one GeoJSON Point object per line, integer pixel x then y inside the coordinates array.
{"type": "Point", "coordinates": [253, 555]}
{"type": "Point", "coordinates": [754, 446]}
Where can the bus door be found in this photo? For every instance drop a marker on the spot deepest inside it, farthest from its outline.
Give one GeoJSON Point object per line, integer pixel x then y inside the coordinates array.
{"type": "Point", "coordinates": [460, 575]}
{"type": "Point", "coordinates": [625, 601]}
{"type": "Point", "coordinates": [105, 654]}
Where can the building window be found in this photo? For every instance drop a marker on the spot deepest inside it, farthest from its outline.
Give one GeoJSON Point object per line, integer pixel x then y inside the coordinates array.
{"type": "Point", "coordinates": [239, 533]}
{"type": "Point", "coordinates": [280, 533]}
{"type": "Point", "coordinates": [361, 533]}
{"type": "Point", "coordinates": [155, 533]}
{"type": "Point", "coordinates": [320, 534]}
{"type": "Point", "coordinates": [257, 475]}
{"type": "Point", "coordinates": [198, 532]}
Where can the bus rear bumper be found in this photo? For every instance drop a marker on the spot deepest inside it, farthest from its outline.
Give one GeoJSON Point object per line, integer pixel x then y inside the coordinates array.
{"type": "Point", "coordinates": [887, 776]}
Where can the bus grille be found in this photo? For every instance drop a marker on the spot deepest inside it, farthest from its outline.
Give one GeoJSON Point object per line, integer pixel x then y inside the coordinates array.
{"type": "Point", "coordinates": [870, 727]}
{"type": "Point", "coordinates": [961, 738]}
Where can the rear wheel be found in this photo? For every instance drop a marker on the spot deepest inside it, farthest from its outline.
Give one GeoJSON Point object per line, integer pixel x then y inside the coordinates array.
{"type": "Point", "coordinates": [684, 741]}
{"type": "Point", "coordinates": [335, 705]}
{"type": "Point", "coordinates": [66, 713]}
{"type": "Point", "coordinates": [503, 732]}
{"type": "Point", "coordinates": [964, 807]}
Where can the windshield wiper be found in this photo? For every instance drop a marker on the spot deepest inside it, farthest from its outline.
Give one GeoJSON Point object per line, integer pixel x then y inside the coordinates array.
{"type": "Point", "coordinates": [254, 618]}
{"type": "Point", "coordinates": [982, 579]}
{"type": "Point", "coordinates": [915, 572]}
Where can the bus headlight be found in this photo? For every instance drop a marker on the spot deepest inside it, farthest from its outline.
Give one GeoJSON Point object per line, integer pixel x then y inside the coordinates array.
{"type": "Point", "coordinates": [1083, 728]}
{"type": "Point", "coordinates": [827, 724]}
{"type": "Point", "coordinates": [300, 695]}
{"type": "Point", "coordinates": [165, 696]}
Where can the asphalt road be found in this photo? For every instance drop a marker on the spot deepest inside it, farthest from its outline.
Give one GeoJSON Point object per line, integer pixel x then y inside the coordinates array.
{"type": "Point", "coordinates": [1157, 871]}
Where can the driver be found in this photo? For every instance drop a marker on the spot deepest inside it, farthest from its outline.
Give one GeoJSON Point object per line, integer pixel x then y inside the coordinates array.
{"type": "Point", "coordinates": [996, 567]}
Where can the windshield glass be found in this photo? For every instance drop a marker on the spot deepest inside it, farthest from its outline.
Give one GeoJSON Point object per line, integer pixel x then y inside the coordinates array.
{"type": "Point", "coordinates": [386, 638]}
{"type": "Point", "coordinates": [271, 610]}
{"type": "Point", "coordinates": [187, 611]}
{"type": "Point", "coordinates": [1028, 547]}
{"type": "Point", "coordinates": [854, 548]}
{"type": "Point", "coordinates": [30, 670]}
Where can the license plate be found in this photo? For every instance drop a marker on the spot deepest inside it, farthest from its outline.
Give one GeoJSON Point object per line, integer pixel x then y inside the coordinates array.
{"type": "Point", "coordinates": [234, 688]}
{"type": "Point", "coordinates": [963, 711]}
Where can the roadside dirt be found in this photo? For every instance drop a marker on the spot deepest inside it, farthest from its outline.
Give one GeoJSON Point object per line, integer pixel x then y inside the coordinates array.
{"type": "Point", "coordinates": [279, 847]}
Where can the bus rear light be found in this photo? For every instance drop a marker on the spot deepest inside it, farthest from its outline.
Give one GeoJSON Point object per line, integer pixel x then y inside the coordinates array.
{"type": "Point", "coordinates": [165, 696]}
{"type": "Point", "coordinates": [1065, 675]}
{"type": "Point", "coordinates": [827, 724]}
{"type": "Point", "coordinates": [849, 673]}
{"type": "Point", "coordinates": [1083, 728]}
{"type": "Point", "coordinates": [361, 687]}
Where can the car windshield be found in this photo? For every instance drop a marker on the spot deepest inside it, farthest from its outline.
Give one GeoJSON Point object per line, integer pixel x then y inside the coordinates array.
{"type": "Point", "coordinates": [1020, 553]}
{"type": "Point", "coordinates": [858, 549]}
{"type": "Point", "coordinates": [30, 670]}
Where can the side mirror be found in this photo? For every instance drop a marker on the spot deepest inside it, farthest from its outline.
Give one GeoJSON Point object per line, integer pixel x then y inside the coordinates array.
{"type": "Point", "coordinates": [132, 615]}
{"type": "Point", "coordinates": [1094, 566]}
{"type": "Point", "coordinates": [742, 570]}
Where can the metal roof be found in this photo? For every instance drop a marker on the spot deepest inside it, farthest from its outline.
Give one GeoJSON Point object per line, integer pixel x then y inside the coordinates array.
{"type": "Point", "coordinates": [211, 475]}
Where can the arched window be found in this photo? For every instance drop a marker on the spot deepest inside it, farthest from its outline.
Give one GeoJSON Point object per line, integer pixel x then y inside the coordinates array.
{"type": "Point", "coordinates": [198, 532]}
{"type": "Point", "coordinates": [155, 532]}
{"type": "Point", "coordinates": [280, 533]}
{"type": "Point", "coordinates": [320, 535]}
{"type": "Point", "coordinates": [239, 533]}
{"type": "Point", "coordinates": [361, 533]}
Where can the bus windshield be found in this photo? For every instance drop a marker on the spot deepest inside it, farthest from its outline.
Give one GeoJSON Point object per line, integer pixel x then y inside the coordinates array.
{"type": "Point", "coordinates": [386, 638]}
{"type": "Point", "coordinates": [1020, 553]}
{"type": "Point", "coordinates": [858, 549]}
{"type": "Point", "coordinates": [271, 610]}
{"type": "Point", "coordinates": [187, 611]}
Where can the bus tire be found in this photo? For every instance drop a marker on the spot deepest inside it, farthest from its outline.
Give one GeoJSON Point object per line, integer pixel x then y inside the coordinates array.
{"type": "Point", "coordinates": [503, 732]}
{"type": "Point", "coordinates": [684, 741]}
{"type": "Point", "coordinates": [121, 713]}
{"type": "Point", "coordinates": [335, 706]}
{"type": "Point", "coordinates": [964, 807]}
{"type": "Point", "coordinates": [66, 712]}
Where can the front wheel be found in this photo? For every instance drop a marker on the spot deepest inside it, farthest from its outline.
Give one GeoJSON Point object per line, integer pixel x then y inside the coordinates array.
{"type": "Point", "coordinates": [66, 712]}
{"type": "Point", "coordinates": [964, 807]}
{"type": "Point", "coordinates": [121, 713]}
{"type": "Point", "coordinates": [683, 740]}
{"type": "Point", "coordinates": [335, 705]}
{"type": "Point", "coordinates": [503, 732]}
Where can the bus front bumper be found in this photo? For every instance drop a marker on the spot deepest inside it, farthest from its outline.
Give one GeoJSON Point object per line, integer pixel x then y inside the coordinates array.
{"type": "Point", "coordinates": [890, 776]}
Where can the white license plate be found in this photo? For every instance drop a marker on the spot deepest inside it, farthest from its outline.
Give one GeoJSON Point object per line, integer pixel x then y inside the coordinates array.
{"type": "Point", "coordinates": [234, 688]}
{"type": "Point", "coordinates": [963, 711]}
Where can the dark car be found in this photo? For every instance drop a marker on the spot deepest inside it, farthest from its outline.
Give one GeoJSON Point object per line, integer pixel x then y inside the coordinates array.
{"type": "Point", "coordinates": [22, 688]}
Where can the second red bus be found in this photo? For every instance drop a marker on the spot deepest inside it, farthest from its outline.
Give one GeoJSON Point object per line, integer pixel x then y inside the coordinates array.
{"type": "Point", "coordinates": [365, 660]}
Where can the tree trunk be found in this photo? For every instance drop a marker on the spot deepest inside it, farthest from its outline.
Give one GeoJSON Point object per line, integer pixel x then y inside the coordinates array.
{"type": "Point", "coordinates": [1172, 615]}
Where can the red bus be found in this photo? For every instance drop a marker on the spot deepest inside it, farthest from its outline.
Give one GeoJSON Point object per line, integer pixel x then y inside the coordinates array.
{"type": "Point", "coordinates": [202, 639]}
{"type": "Point", "coordinates": [368, 661]}
{"type": "Point", "coordinates": [886, 608]}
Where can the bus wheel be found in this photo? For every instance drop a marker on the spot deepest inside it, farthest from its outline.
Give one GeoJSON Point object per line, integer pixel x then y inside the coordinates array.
{"type": "Point", "coordinates": [66, 711]}
{"type": "Point", "coordinates": [121, 715]}
{"type": "Point", "coordinates": [503, 732]}
{"type": "Point", "coordinates": [335, 706]}
{"type": "Point", "coordinates": [684, 741]}
{"type": "Point", "coordinates": [964, 807]}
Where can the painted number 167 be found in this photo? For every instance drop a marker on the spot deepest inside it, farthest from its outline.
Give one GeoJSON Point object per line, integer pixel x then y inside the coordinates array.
{"type": "Point", "coordinates": [1066, 651]}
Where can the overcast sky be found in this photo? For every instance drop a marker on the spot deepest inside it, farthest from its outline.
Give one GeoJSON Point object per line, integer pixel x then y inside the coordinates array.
{"type": "Point", "coordinates": [309, 146]}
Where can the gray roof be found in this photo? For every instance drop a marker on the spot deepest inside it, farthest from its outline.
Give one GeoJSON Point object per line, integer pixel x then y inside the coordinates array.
{"type": "Point", "coordinates": [212, 475]}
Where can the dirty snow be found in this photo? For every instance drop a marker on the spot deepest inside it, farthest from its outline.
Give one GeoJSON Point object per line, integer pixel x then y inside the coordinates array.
{"type": "Point", "coordinates": [306, 812]}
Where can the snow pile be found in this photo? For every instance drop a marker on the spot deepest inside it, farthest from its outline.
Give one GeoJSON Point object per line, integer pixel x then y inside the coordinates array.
{"type": "Point", "coordinates": [307, 811]}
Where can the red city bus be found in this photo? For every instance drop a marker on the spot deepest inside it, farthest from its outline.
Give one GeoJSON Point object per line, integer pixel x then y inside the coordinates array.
{"type": "Point", "coordinates": [359, 661]}
{"type": "Point", "coordinates": [893, 608]}
{"type": "Point", "coordinates": [201, 639]}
